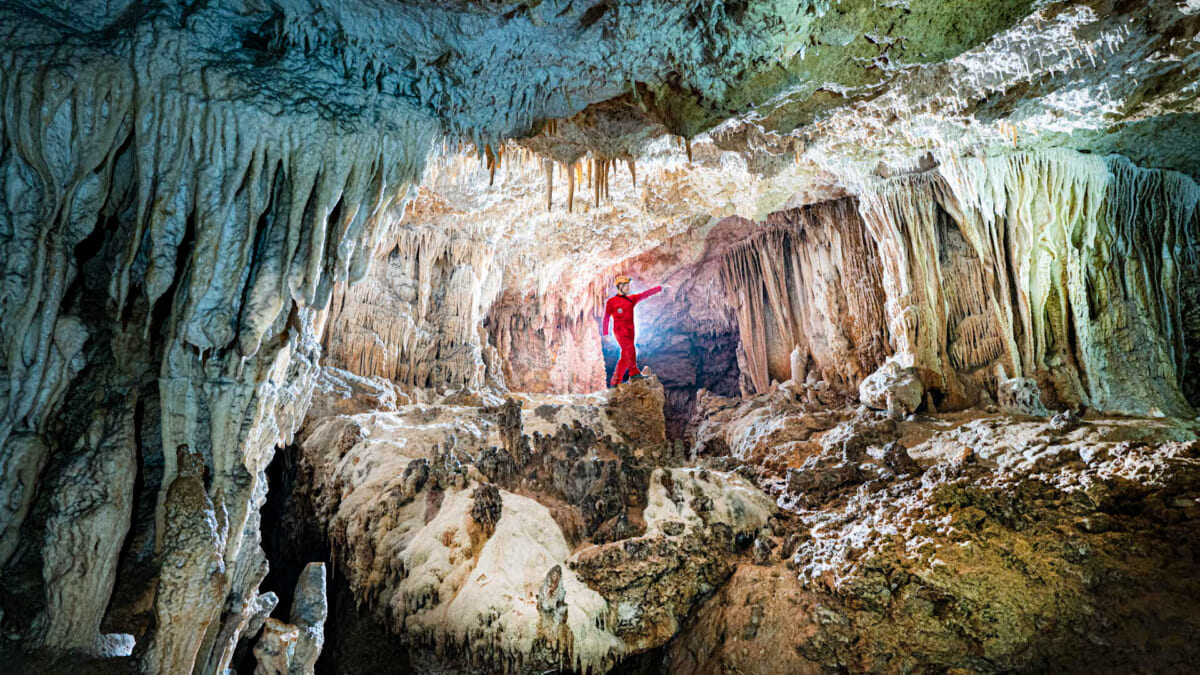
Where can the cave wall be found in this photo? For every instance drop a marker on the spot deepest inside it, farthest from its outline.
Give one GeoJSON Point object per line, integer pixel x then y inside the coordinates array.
{"type": "Point", "coordinates": [168, 248]}
{"type": "Point", "coordinates": [416, 319]}
{"type": "Point", "coordinates": [808, 278]}
{"type": "Point", "coordinates": [1071, 276]}
{"type": "Point", "coordinates": [1072, 270]}
{"type": "Point", "coordinates": [548, 343]}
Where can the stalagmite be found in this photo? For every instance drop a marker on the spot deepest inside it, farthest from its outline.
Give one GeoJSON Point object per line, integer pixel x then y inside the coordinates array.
{"type": "Point", "coordinates": [193, 577]}
{"type": "Point", "coordinates": [309, 612]}
{"type": "Point", "coordinates": [798, 362]}
{"type": "Point", "coordinates": [273, 651]}
{"type": "Point", "coordinates": [84, 535]}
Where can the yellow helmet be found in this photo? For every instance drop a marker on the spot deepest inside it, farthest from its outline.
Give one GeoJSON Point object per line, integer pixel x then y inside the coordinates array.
{"type": "Point", "coordinates": [622, 279]}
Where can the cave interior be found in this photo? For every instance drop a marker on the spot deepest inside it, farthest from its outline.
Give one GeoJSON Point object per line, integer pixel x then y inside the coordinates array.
{"type": "Point", "coordinates": [302, 364]}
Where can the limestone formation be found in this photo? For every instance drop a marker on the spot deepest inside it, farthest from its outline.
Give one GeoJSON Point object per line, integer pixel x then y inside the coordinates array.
{"type": "Point", "coordinates": [309, 612]}
{"type": "Point", "coordinates": [302, 283]}
{"type": "Point", "coordinates": [1021, 396]}
{"type": "Point", "coordinates": [575, 551]}
{"type": "Point", "coordinates": [274, 648]}
{"type": "Point", "coordinates": [893, 388]}
{"type": "Point", "coordinates": [1001, 562]}
{"type": "Point", "coordinates": [193, 579]}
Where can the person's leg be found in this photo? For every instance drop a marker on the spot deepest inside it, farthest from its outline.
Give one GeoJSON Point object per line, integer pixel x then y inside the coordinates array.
{"type": "Point", "coordinates": [628, 358]}
{"type": "Point", "coordinates": [633, 369]}
{"type": "Point", "coordinates": [619, 371]}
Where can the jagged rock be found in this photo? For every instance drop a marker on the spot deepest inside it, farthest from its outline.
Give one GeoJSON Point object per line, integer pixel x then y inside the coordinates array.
{"type": "Point", "coordinates": [1032, 552]}
{"type": "Point", "coordinates": [762, 551]}
{"type": "Point", "coordinates": [587, 607]}
{"type": "Point", "coordinates": [274, 649]}
{"type": "Point", "coordinates": [255, 617]}
{"type": "Point", "coordinates": [893, 388]}
{"type": "Point", "coordinates": [1021, 396]}
{"type": "Point", "coordinates": [652, 581]}
{"type": "Point", "coordinates": [310, 608]}
{"type": "Point", "coordinates": [896, 457]}
{"type": "Point", "coordinates": [486, 507]}
{"type": "Point", "coordinates": [24, 456]}
{"type": "Point", "coordinates": [636, 408]}
{"type": "Point", "coordinates": [1066, 421]}
{"type": "Point", "coordinates": [244, 618]}
{"type": "Point", "coordinates": [340, 392]}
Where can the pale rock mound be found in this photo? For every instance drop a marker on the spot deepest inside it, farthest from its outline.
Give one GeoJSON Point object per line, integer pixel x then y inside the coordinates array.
{"type": "Point", "coordinates": [893, 388]}
{"type": "Point", "coordinates": [1021, 396]}
{"type": "Point", "coordinates": [481, 544]}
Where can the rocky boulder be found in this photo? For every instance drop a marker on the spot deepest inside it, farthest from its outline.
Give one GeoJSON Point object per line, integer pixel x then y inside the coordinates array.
{"type": "Point", "coordinates": [526, 551]}
{"type": "Point", "coordinates": [1021, 396]}
{"type": "Point", "coordinates": [893, 388]}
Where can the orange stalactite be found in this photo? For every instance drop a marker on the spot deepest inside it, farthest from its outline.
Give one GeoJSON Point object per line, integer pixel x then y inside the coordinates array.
{"type": "Point", "coordinates": [570, 170]}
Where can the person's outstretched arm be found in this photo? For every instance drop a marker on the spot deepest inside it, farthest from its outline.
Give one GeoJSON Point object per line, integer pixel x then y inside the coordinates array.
{"type": "Point", "coordinates": [638, 297]}
{"type": "Point", "coordinates": [607, 316]}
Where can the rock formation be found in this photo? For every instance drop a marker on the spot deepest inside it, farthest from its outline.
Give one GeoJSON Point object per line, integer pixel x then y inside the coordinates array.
{"type": "Point", "coordinates": [1004, 546]}
{"type": "Point", "coordinates": [490, 547]}
{"type": "Point", "coordinates": [921, 258]}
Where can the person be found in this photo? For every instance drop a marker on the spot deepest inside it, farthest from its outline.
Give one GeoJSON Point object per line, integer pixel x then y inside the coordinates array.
{"type": "Point", "coordinates": [619, 308]}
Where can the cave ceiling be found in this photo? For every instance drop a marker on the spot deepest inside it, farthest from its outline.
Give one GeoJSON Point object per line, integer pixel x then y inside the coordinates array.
{"type": "Point", "coordinates": [587, 132]}
{"type": "Point", "coordinates": [490, 71]}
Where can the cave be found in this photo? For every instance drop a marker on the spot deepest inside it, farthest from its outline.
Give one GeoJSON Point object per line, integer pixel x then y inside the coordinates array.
{"type": "Point", "coordinates": [315, 317]}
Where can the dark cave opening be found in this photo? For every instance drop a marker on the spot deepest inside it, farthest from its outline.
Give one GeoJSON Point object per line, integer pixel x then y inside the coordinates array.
{"type": "Point", "coordinates": [685, 363]}
{"type": "Point", "coordinates": [355, 641]}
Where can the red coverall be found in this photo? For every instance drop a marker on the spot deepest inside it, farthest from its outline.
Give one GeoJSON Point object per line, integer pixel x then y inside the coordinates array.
{"type": "Point", "coordinates": [620, 310]}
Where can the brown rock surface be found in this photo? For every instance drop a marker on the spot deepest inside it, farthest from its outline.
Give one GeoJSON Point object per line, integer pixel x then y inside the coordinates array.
{"type": "Point", "coordinates": [1008, 549]}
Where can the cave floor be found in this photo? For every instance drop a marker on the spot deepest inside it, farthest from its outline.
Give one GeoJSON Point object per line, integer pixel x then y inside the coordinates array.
{"type": "Point", "coordinates": [839, 537]}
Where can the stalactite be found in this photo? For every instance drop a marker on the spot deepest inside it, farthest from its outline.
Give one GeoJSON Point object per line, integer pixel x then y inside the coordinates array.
{"type": "Point", "coordinates": [1045, 266]}
{"type": "Point", "coordinates": [902, 215]}
{"type": "Point", "coordinates": [570, 171]}
{"type": "Point", "coordinates": [1085, 245]}
{"type": "Point", "coordinates": [224, 227]}
{"type": "Point", "coordinates": [493, 161]}
{"type": "Point", "coordinates": [414, 319]}
{"type": "Point", "coordinates": [809, 280]}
